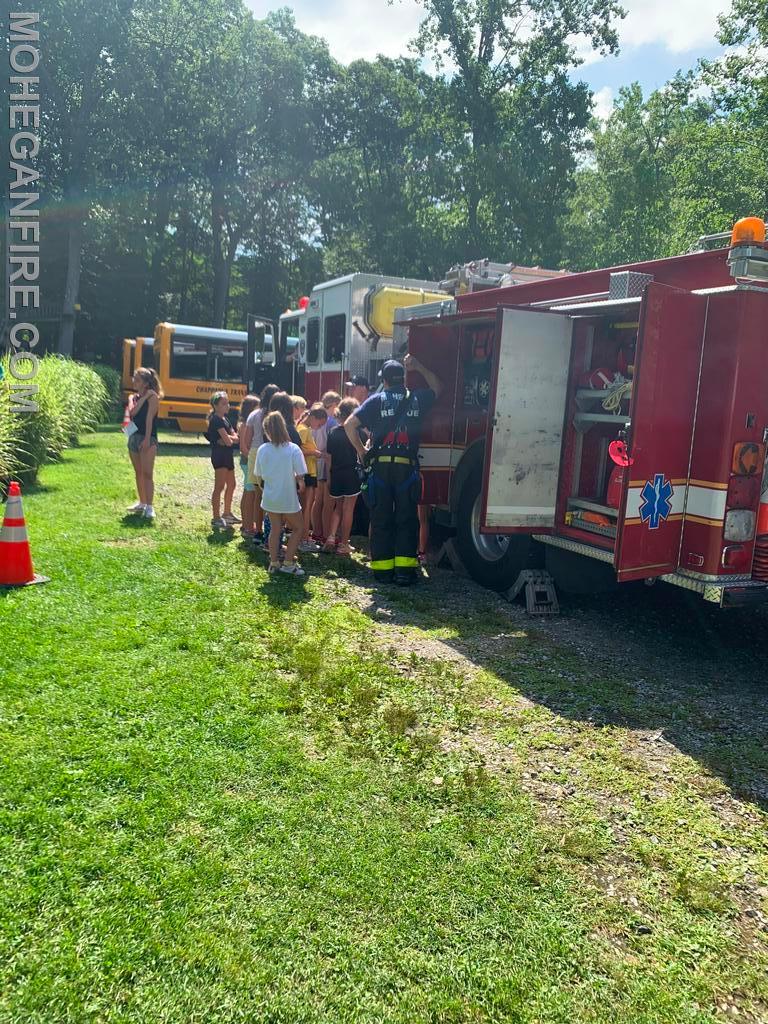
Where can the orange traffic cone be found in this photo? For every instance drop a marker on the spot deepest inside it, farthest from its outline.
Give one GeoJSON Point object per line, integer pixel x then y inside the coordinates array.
{"type": "Point", "coordinates": [15, 557]}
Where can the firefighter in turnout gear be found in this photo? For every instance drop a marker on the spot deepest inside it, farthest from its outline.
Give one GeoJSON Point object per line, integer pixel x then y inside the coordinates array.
{"type": "Point", "coordinates": [394, 418]}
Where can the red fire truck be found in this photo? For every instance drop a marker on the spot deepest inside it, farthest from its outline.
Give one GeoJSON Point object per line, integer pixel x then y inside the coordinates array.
{"type": "Point", "coordinates": [345, 326]}
{"type": "Point", "coordinates": [608, 425]}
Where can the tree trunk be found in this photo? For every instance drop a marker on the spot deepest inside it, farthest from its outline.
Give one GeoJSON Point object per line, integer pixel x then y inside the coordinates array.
{"type": "Point", "coordinates": [220, 275]}
{"type": "Point", "coordinates": [187, 263]}
{"type": "Point", "coordinates": [72, 281]}
{"type": "Point", "coordinates": [161, 220]}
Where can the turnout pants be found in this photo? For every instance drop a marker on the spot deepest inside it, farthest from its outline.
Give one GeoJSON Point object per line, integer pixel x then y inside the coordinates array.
{"type": "Point", "coordinates": [396, 489]}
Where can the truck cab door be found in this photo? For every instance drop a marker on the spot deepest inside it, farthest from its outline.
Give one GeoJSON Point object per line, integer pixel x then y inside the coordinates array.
{"type": "Point", "coordinates": [660, 434]}
{"type": "Point", "coordinates": [525, 423]}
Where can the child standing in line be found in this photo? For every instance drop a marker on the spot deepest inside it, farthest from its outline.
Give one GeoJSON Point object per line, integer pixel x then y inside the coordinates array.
{"type": "Point", "coordinates": [330, 402]}
{"type": "Point", "coordinates": [318, 423]}
{"type": "Point", "coordinates": [245, 434]}
{"type": "Point", "coordinates": [280, 466]}
{"type": "Point", "coordinates": [222, 439]}
{"type": "Point", "coordinates": [253, 424]}
{"type": "Point", "coordinates": [345, 483]}
{"type": "Point", "coordinates": [310, 452]}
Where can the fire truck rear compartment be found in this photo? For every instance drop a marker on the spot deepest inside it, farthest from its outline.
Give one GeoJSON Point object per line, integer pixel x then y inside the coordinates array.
{"type": "Point", "coordinates": [597, 412]}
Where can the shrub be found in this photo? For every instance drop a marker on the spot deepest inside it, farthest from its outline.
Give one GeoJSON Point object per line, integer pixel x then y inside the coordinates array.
{"type": "Point", "coordinates": [71, 399]}
{"type": "Point", "coordinates": [113, 383]}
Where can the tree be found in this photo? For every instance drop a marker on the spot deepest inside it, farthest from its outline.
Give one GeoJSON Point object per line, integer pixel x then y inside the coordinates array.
{"type": "Point", "coordinates": [519, 119]}
{"type": "Point", "coordinates": [622, 208]}
{"type": "Point", "coordinates": [385, 171]}
{"type": "Point", "coordinates": [77, 78]}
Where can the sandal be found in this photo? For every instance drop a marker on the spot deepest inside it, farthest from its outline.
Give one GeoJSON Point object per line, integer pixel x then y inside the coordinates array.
{"type": "Point", "coordinates": [344, 550]}
{"type": "Point", "coordinates": [329, 547]}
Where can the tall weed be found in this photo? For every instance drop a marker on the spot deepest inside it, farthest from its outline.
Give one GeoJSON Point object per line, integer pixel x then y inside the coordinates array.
{"type": "Point", "coordinates": [71, 399]}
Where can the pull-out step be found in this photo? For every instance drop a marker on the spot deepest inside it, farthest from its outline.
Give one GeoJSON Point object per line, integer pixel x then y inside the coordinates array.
{"type": "Point", "coordinates": [577, 547]}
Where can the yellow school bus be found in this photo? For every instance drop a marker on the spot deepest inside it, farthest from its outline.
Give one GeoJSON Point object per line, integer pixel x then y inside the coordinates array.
{"type": "Point", "coordinates": [136, 352]}
{"type": "Point", "coordinates": [193, 362]}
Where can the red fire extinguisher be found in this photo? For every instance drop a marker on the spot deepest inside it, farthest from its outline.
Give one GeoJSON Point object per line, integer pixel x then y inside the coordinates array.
{"type": "Point", "coordinates": [621, 463]}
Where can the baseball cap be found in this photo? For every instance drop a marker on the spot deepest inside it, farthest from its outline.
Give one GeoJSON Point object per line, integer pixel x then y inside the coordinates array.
{"type": "Point", "coordinates": [392, 370]}
{"type": "Point", "coordinates": [358, 381]}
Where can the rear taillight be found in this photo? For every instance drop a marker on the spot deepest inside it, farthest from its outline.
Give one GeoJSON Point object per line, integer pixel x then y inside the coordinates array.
{"type": "Point", "coordinates": [741, 505]}
{"type": "Point", "coordinates": [739, 525]}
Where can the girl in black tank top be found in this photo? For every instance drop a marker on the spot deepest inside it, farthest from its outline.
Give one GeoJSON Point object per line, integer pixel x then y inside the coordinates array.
{"type": "Point", "coordinates": [142, 444]}
{"type": "Point", "coordinates": [140, 420]}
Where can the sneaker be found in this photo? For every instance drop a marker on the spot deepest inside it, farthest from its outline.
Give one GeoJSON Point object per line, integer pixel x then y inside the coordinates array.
{"type": "Point", "coordinates": [274, 568]}
{"type": "Point", "coordinates": [149, 512]}
{"type": "Point", "coordinates": [220, 524]}
{"type": "Point", "coordinates": [292, 569]}
{"type": "Point", "coordinates": [138, 507]}
{"type": "Point", "coordinates": [308, 545]}
{"type": "Point", "coordinates": [232, 519]}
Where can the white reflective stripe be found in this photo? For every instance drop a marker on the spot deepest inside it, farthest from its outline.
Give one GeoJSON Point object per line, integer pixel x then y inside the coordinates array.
{"type": "Point", "coordinates": [439, 458]}
{"type": "Point", "coordinates": [706, 502]}
{"type": "Point", "coordinates": [635, 500]}
{"type": "Point", "coordinates": [13, 534]}
{"type": "Point", "coordinates": [13, 508]}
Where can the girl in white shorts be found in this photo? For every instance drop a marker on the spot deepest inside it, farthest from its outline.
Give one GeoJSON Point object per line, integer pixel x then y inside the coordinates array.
{"type": "Point", "coordinates": [280, 467]}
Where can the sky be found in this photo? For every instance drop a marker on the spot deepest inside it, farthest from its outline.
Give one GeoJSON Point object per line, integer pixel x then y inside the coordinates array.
{"type": "Point", "coordinates": [657, 37]}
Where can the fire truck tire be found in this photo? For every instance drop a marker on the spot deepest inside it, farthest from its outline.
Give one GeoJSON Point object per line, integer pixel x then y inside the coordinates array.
{"type": "Point", "coordinates": [493, 561]}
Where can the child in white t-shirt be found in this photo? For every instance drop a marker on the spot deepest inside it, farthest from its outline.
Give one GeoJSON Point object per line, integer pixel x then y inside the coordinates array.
{"type": "Point", "coordinates": [280, 466]}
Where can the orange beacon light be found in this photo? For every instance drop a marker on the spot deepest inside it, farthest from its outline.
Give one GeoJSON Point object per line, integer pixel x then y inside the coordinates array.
{"type": "Point", "coordinates": [748, 230]}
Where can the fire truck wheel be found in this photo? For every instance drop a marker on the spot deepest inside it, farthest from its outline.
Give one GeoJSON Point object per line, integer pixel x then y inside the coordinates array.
{"type": "Point", "coordinates": [493, 560]}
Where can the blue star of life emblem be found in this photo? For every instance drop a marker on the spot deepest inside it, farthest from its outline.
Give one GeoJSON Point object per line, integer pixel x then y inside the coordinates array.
{"type": "Point", "coordinates": [656, 505]}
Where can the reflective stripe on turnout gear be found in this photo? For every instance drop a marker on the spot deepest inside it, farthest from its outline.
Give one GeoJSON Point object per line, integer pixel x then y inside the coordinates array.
{"type": "Point", "coordinates": [406, 563]}
{"type": "Point", "coordinates": [383, 565]}
{"type": "Point", "coordinates": [395, 458]}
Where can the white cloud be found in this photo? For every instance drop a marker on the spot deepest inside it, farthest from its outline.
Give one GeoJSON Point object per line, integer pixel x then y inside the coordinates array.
{"type": "Point", "coordinates": [602, 103]}
{"type": "Point", "coordinates": [675, 24]}
{"type": "Point", "coordinates": [354, 29]}
{"type": "Point", "coordinates": [364, 28]}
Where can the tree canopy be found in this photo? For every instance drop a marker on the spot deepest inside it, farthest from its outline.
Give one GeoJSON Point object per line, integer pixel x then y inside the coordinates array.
{"type": "Point", "coordinates": [200, 164]}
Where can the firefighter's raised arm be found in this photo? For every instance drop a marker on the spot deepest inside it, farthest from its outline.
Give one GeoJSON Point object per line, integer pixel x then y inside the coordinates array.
{"type": "Point", "coordinates": [433, 381]}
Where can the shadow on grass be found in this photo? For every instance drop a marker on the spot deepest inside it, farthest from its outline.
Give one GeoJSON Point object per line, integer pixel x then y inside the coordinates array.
{"type": "Point", "coordinates": [135, 521]}
{"type": "Point", "coordinates": [189, 450]}
{"type": "Point", "coordinates": [220, 538]}
{"type": "Point", "coordinates": [284, 591]}
{"type": "Point", "coordinates": [653, 660]}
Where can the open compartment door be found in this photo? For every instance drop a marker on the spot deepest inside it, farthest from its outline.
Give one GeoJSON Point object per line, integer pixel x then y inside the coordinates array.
{"type": "Point", "coordinates": [663, 409]}
{"type": "Point", "coordinates": [522, 451]}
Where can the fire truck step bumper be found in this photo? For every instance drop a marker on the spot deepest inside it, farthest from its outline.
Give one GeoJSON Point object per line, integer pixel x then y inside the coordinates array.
{"type": "Point", "coordinates": [575, 546]}
{"type": "Point", "coordinates": [731, 594]}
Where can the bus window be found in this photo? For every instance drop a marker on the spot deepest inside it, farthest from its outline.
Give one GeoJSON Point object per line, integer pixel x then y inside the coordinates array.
{"type": "Point", "coordinates": [228, 361]}
{"type": "Point", "coordinates": [189, 358]}
{"type": "Point", "coordinates": [335, 338]}
{"type": "Point", "coordinates": [313, 340]}
{"type": "Point", "coordinates": [148, 355]}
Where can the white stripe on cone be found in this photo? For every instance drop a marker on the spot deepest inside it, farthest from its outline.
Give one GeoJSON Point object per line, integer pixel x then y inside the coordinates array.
{"type": "Point", "coordinates": [13, 534]}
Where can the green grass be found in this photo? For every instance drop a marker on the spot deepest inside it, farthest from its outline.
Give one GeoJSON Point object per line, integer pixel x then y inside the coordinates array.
{"type": "Point", "coordinates": [223, 801]}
